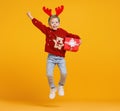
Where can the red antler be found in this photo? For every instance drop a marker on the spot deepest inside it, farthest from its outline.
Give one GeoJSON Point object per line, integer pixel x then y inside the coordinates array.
{"type": "Point", "coordinates": [59, 10]}
{"type": "Point", "coordinates": [47, 11]}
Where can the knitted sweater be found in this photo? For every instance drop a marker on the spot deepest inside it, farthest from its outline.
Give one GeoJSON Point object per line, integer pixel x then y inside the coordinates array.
{"type": "Point", "coordinates": [54, 38]}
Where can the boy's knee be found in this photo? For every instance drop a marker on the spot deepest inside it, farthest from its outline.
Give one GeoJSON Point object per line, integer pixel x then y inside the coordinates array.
{"type": "Point", "coordinates": [64, 74]}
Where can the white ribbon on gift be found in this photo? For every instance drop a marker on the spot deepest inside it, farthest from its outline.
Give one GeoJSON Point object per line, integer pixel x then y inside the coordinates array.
{"type": "Point", "coordinates": [72, 43]}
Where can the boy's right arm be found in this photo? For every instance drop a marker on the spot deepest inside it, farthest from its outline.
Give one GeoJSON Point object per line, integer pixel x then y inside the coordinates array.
{"type": "Point", "coordinates": [37, 23]}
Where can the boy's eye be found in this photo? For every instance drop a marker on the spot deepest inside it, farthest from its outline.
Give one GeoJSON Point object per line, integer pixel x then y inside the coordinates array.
{"type": "Point", "coordinates": [54, 22]}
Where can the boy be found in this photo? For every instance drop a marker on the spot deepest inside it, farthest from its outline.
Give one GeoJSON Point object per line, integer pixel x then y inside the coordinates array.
{"type": "Point", "coordinates": [54, 45]}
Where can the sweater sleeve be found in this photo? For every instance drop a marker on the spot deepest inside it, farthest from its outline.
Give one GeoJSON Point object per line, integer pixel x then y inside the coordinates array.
{"type": "Point", "coordinates": [71, 35]}
{"type": "Point", "coordinates": [39, 25]}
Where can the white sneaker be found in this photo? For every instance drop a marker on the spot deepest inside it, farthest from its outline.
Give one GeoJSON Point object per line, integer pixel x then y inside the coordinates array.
{"type": "Point", "coordinates": [52, 93]}
{"type": "Point", "coordinates": [60, 90]}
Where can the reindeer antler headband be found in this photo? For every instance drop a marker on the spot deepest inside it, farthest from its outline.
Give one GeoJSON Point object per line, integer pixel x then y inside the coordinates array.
{"type": "Point", "coordinates": [58, 10]}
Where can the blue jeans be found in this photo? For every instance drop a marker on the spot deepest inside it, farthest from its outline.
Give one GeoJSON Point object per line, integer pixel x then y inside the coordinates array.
{"type": "Point", "coordinates": [53, 60]}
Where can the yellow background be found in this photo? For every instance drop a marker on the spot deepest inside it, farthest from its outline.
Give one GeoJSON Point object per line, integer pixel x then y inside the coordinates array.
{"type": "Point", "coordinates": [93, 72]}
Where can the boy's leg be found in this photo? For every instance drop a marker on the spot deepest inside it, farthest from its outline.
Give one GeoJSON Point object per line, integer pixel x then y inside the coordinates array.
{"type": "Point", "coordinates": [50, 68]}
{"type": "Point", "coordinates": [62, 67]}
{"type": "Point", "coordinates": [63, 72]}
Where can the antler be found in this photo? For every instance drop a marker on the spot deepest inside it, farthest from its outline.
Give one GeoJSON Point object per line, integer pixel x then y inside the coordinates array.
{"type": "Point", "coordinates": [47, 11]}
{"type": "Point", "coordinates": [59, 10]}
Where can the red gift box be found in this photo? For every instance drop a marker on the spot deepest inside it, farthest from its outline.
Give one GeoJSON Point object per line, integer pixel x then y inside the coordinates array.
{"type": "Point", "coordinates": [71, 44]}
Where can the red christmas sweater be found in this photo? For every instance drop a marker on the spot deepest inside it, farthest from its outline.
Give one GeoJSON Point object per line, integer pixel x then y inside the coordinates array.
{"type": "Point", "coordinates": [54, 38]}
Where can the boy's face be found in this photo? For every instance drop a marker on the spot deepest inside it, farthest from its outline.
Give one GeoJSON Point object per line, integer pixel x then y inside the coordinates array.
{"type": "Point", "coordinates": [54, 23]}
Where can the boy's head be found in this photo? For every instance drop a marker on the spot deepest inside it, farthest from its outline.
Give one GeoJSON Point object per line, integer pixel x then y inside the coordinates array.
{"type": "Point", "coordinates": [54, 22]}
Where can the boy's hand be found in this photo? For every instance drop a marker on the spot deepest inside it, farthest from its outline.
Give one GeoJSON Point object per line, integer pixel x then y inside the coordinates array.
{"type": "Point", "coordinates": [80, 41]}
{"type": "Point", "coordinates": [29, 15]}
